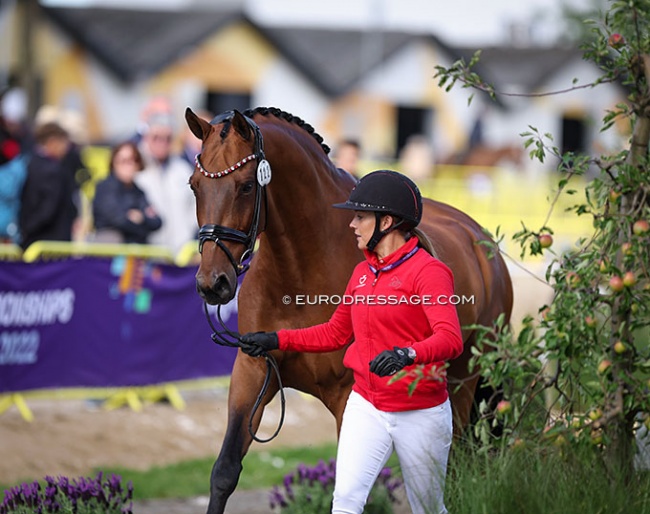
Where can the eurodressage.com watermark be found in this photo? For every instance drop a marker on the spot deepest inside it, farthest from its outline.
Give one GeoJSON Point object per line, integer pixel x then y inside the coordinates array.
{"type": "Point", "coordinates": [323, 299]}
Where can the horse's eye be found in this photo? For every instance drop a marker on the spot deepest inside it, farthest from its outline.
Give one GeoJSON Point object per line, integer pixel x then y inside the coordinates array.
{"type": "Point", "coordinates": [247, 187]}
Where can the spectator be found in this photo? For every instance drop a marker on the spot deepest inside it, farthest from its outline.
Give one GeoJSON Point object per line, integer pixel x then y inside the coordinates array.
{"type": "Point", "coordinates": [72, 162]}
{"type": "Point", "coordinates": [347, 156]}
{"type": "Point", "coordinates": [13, 106]}
{"type": "Point", "coordinates": [47, 211]}
{"type": "Point", "coordinates": [13, 170]}
{"type": "Point", "coordinates": [121, 211]}
{"type": "Point", "coordinates": [164, 182]}
{"type": "Point", "coordinates": [157, 106]}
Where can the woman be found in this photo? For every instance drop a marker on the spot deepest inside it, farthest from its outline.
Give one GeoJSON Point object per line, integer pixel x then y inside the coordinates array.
{"type": "Point", "coordinates": [396, 315]}
{"type": "Point", "coordinates": [121, 211]}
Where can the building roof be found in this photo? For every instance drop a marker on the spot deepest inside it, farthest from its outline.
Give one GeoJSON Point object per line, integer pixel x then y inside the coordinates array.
{"type": "Point", "coordinates": [136, 43]}
{"type": "Point", "coordinates": [335, 60]}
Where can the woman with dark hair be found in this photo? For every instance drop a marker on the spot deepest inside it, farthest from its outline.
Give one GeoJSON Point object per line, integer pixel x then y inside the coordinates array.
{"type": "Point", "coordinates": [121, 211]}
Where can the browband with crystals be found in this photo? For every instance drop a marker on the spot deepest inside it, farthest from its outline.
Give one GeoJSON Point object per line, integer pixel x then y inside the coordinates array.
{"type": "Point", "coordinates": [218, 174]}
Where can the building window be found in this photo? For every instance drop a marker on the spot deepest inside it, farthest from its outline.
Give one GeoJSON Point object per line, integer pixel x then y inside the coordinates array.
{"type": "Point", "coordinates": [412, 121]}
{"type": "Point", "coordinates": [573, 134]}
{"type": "Point", "coordinates": [218, 102]}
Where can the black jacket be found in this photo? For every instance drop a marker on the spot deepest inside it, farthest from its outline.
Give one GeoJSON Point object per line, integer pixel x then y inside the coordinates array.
{"type": "Point", "coordinates": [113, 199]}
{"type": "Point", "coordinates": [47, 211]}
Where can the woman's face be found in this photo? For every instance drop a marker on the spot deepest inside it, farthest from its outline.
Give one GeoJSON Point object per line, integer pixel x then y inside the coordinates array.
{"type": "Point", "coordinates": [363, 224]}
{"type": "Point", "coordinates": [125, 164]}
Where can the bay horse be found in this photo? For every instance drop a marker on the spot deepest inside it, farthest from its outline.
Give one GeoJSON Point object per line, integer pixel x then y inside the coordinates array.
{"type": "Point", "coordinates": [305, 248]}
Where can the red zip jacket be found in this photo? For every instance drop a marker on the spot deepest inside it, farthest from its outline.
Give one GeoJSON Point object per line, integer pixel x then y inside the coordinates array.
{"type": "Point", "coordinates": [407, 305]}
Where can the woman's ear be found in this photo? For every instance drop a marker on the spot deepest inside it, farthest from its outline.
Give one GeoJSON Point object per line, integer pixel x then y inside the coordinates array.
{"type": "Point", "coordinates": [386, 222]}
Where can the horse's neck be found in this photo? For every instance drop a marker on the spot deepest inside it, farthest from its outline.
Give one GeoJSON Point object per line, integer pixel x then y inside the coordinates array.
{"type": "Point", "coordinates": [302, 234]}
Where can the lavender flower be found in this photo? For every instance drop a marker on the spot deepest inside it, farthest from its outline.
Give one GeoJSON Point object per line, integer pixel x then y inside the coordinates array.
{"type": "Point", "coordinates": [62, 495]}
{"type": "Point", "coordinates": [310, 489]}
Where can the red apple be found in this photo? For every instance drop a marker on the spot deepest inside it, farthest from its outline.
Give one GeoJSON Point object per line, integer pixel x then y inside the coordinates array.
{"type": "Point", "coordinates": [619, 347]}
{"type": "Point", "coordinates": [616, 284]}
{"type": "Point", "coordinates": [545, 240]}
{"type": "Point", "coordinates": [590, 321]}
{"type": "Point", "coordinates": [603, 265]}
{"type": "Point", "coordinates": [640, 227]}
{"type": "Point", "coordinates": [616, 41]}
{"type": "Point", "coordinates": [572, 279]}
{"type": "Point", "coordinates": [604, 365]}
{"type": "Point", "coordinates": [626, 248]}
{"type": "Point", "coordinates": [504, 407]}
{"type": "Point", "coordinates": [629, 279]}
{"type": "Point", "coordinates": [595, 414]}
{"type": "Point", "coordinates": [614, 195]}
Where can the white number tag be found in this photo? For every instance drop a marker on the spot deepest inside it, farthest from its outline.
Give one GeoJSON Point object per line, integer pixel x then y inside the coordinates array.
{"type": "Point", "coordinates": [263, 172]}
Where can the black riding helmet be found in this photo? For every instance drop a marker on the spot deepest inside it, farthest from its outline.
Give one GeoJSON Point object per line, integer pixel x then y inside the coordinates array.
{"type": "Point", "coordinates": [386, 192]}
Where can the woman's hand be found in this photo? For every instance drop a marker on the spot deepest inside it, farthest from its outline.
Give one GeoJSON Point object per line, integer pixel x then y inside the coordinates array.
{"type": "Point", "coordinates": [258, 343]}
{"type": "Point", "coordinates": [390, 362]}
{"type": "Point", "coordinates": [135, 216]}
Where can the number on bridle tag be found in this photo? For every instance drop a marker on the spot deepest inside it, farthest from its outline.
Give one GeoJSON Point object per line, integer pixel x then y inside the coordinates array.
{"type": "Point", "coordinates": [263, 172]}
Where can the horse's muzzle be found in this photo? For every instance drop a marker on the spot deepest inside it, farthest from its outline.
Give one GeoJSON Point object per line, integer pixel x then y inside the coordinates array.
{"type": "Point", "coordinates": [218, 290]}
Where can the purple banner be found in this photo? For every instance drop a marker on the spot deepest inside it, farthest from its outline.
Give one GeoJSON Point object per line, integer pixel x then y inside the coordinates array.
{"type": "Point", "coordinates": [93, 322]}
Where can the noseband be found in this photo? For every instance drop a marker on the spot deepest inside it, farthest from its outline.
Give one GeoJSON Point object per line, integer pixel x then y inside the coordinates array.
{"type": "Point", "coordinates": [218, 233]}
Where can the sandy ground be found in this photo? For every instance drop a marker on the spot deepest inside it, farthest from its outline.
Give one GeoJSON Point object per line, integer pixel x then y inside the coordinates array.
{"type": "Point", "coordinates": [73, 437]}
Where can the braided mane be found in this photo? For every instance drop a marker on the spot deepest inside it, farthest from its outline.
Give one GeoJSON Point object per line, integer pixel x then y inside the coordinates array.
{"type": "Point", "coordinates": [278, 113]}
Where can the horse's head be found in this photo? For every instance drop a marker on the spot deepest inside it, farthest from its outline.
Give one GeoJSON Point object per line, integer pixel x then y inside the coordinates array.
{"type": "Point", "coordinates": [228, 183]}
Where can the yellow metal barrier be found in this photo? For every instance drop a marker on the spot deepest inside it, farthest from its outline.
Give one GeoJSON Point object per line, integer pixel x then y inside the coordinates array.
{"type": "Point", "coordinates": [18, 400]}
{"type": "Point", "coordinates": [134, 397]}
{"type": "Point", "coordinates": [49, 249]}
{"type": "Point", "coordinates": [10, 252]}
{"type": "Point", "coordinates": [188, 254]}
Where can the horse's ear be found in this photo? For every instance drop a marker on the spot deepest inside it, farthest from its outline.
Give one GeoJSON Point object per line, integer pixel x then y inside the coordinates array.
{"type": "Point", "coordinates": [240, 125]}
{"type": "Point", "coordinates": [199, 127]}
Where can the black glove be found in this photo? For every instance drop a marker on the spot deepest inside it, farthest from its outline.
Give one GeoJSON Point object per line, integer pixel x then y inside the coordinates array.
{"type": "Point", "coordinates": [390, 362]}
{"type": "Point", "coordinates": [258, 343]}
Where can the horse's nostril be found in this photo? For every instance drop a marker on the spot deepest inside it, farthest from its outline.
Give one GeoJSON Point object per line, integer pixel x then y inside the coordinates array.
{"type": "Point", "coordinates": [215, 289]}
{"type": "Point", "coordinates": [221, 284]}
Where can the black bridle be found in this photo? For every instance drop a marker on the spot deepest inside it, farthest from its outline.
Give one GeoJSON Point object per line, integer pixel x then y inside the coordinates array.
{"type": "Point", "coordinates": [217, 234]}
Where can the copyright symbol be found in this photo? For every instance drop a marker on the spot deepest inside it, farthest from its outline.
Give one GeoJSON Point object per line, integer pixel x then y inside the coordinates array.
{"type": "Point", "coordinates": [286, 299]}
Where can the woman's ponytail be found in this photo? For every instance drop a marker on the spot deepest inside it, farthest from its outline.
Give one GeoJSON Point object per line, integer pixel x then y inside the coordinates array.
{"type": "Point", "coordinates": [425, 242]}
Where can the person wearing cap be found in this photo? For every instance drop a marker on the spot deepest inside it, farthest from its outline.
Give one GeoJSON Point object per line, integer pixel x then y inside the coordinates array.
{"type": "Point", "coordinates": [396, 317]}
{"type": "Point", "coordinates": [164, 182]}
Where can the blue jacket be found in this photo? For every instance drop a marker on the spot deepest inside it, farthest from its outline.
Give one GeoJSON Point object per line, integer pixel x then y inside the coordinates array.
{"type": "Point", "coordinates": [12, 178]}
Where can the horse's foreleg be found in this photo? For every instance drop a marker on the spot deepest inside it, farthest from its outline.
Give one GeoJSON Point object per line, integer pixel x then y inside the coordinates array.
{"type": "Point", "coordinates": [245, 384]}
